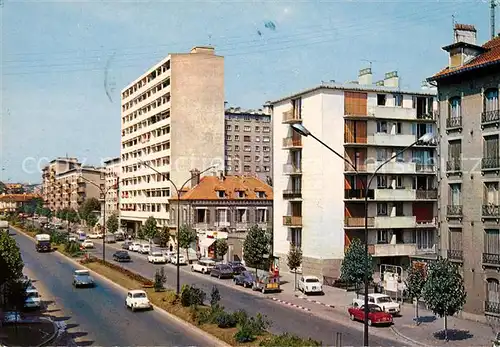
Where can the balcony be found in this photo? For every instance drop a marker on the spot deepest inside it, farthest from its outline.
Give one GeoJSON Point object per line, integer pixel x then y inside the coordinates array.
{"type": "Point", "coordinates": [490, 258]}
{"type": "Point", "coordinates": [454, 122]}
{"type": "Point", "coordinates": [388, 112]}
{"type": "Point", "coordinates": [289, 117]}
{"type": "Point", "coordinates": [358, 222]}
{"type": "Point", "coordinates": [292, 221]}
{"type": "Point", "coordinates": [454, 210]}
{"type": "Point", "coordinates": [490, 163]}
{"type": "Point", "coordinates": [454, 254]}
{"type": "Point", "coordinates": [358, 194]}
{"type": "Point", "coordinates": [427, 194]}
{"type": "Point", "coordinates": [390, 194]}
{"type": "Point", "coordinates": [292, 143]}
{"type": "Point", "coordinates": [291, 169]}
{"type": "Point", "coordinates": [492, 307]}
{"type": "Point", "coordinates": [292, 194]}
{"type": "Point", "coordinates": [388, 250]}
{"type": "Point", "coordinates": [490, 116]}
{"type": "Point", "coordinates": [393, 167]}
{"type": "Point", "coordinates": [360, 167]}
{"type": "Point", "coordinates": [491, 210]}
{"type": "Point", "coordinates": [427, 116]}
{"type": "Point", "coordinates": [395, 222]}
{"type": "Point", "coordinates": [454, 165]}
{"type": "Point", "coordinates": [425, 168]}
{"type": "Point", "coordinates": [424, 250]}
{"type": "Point", "coordinates": [393, 140]}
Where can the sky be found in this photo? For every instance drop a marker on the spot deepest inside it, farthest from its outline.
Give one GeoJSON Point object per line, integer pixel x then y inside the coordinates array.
{"type": "Point", "coordinates": [63, 63]}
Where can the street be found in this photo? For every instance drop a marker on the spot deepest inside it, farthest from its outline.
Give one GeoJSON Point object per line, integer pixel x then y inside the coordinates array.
{"type": "Point", "coordinates": [100, 311]}
{"type": "Point", "coordinates": [284, 319]}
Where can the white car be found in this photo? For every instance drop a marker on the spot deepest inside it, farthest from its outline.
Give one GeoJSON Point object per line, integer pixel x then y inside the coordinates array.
{"type": "Point", "coordinates": [72, 238]}
{"type": "Point", "coordinates": [32, 298]}
{"type": "Point", "coordinates": [157, 258]}
{"type": "Point", "coordinates": [180, 261]}
{"type": "Point", "coordinates": [95, 236]}
{"type": "Point", "coordinates": [137, 299]}
{"type": "Point", "coordinates": [87, 244]}
{"type": "Point", "coordinates": [145, 248]}
{"type": "Point", "coordinates": [135, 247]}
{"type": "Point", "coordinates": [381, 300]}
{"type": "Point", "coordinates": [310, 285]}
{"type": "Point", "coordinates": [203, 265]}
{"type": "Point", "coordinates": [169, 255]}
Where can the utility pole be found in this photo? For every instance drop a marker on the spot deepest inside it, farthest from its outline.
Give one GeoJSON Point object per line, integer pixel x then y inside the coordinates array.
{"type": "Point", "coordinates": [493, 5]}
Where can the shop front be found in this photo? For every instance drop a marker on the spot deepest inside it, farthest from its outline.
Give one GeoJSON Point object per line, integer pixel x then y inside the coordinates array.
{"type": "Point", "coordinates": [206, 242]}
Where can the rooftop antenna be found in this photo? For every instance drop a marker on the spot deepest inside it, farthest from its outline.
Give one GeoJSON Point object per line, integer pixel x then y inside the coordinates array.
{"type": "Point", "coordinates": [210, 39]}
{"type": "Point", "coordinates": [493, 5]}
{"type": "Point", "coordinates": [453, 22]}
{"type": "Point", "coordinates": [368, 61]}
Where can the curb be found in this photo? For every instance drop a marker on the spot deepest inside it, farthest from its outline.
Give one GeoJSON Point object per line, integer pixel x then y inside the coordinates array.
{"type": "Point", "coordinates": [290, 304]}
{"type": "Point", "coordinates": [399, 334]}
{"type": "Point", "coordinates": [313, 301]}
{"type": "Point", "coordinates": [54, 334]}
{"type": "Point", "coordinates": [214, 341]}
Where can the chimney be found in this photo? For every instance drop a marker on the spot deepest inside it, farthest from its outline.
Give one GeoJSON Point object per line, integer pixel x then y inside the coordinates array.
{"type": "Point", "coordinates": [380, 83]}
{"type": "Point", "coordinates": [195, 177]}
{"type": "Point", "coordinates": [365, 76]}
{"type": "Point", "coordinates": [465, 33]}
{"type": "Point", "coordinates": [267, 107]}
{"type": "Point", "coordinates": [464, 47]}
{"type": "Point", "coordinates": [203, 50]}
{"type": "Point", "coordinates": [391, 79]}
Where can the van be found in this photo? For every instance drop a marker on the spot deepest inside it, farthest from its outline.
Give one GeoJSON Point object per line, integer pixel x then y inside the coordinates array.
{"type": "Point", "coordinates": [110, 238]}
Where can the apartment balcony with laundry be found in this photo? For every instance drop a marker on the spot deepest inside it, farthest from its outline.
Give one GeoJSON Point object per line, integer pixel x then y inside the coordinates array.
{"type": "Point", "coordinates": [357, 157]}
{"type": "Point", "coordinates": [292, 142]}
{"type": "Point", "coordinates": [293, 216]}
{"type": "Point", "coordinates": [294, 114]}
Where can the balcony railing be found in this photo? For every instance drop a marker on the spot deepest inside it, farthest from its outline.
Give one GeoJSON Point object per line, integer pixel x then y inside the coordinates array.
{"type": "Point", "coordinates": [491, 210]}
{"type": "Point", "coordinates": [427, 194]}
{"type": "Point", "coordinates": [425, 167]}
{"type": "Point", "coordinates": [292, 220]}
{"type": "Point", "coordinates": [427, 116]}
{"type": "Point", "coordinates": [290, 117]}
{"type": "Point", "coordinates": [454, 210]}
{"type": "Point", "coordinates": [454, 165]}
{"type": "Point", "coordinates": [454, 254]}
{"type": "Point", "coordinates": [490, 116]}
{"type": "Point", "coordinates": [360, 167]}
{"type": "Point", "coordinates": [490, 163]}
{"type": "Point", "coordinates": [292, 194]}
{"type": "Point", "coordinates": [358, 193]}
{"type": "Point", "coordinates": [454, 122]}
{"type": "Point", "coordinates": [290, 169]}
{"type": "Point", "coordinates": [490, 258]}
{"type": "Point", "coordinates": [292, 142]}
{"type": "Point", "coordinates": [359, 222]}
{"type": "Point", "coordinates": [492, 307]}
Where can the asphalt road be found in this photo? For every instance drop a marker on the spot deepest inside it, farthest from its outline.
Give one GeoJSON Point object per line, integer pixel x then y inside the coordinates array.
{"type": "Point", "coordinates": [284, 319]}
{"type": "Point", "coordinates": [100, 311]}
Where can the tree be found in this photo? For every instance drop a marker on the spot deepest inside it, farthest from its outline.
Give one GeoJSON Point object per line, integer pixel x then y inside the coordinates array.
{"type": "Point", "coordinates": [164, 236]}
{"type": "Point", "coordinates": [71, 215]}
{"type": "Point", "coordinates": [11, 262]}
{"type": "Point", "coordinates": [356, 265]}
{"type": "Point", "coordinates": [444, 291]}
{"type": "Point", "coordinates": [44, 211]}
{"type": "Point", "coordinates": [91, 220]}
{"type": "Point", "coordinates": [256, 248]}
{"type": "Point", "coordinates": [160, 280]}
{"type": "Point", "coordinates": [150, 228]}
{"type": "Point", "coordinates": [221, 247]}
{"type": "Point", "coordinates": [415, 282]}
{"type": "Point", "coordinates": [187, 236]}
{"type": "Point", "coordinates": [112, 223]}
{"type": "Point", "coordinates": [294, 260]}
{"type": "Point", "coordinates": [87, 208]}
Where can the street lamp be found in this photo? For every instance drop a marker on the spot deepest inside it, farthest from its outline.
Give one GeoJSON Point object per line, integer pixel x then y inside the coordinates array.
{"type": "Point", "coordinates": [426, 138]}
{"type": "Point", "coordinates": [178, 192]}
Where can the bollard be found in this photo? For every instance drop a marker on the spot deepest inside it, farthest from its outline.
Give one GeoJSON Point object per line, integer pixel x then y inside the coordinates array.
{"type": "Point", "coordinates": [338, 340]}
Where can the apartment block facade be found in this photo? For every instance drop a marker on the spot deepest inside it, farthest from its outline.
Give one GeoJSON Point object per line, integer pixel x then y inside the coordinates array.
{"type": "Point", "coordinates": [112, 170]}
{"type": "Point", "coordinates": [469, 109]}
{"type": "Point", "coordinates": [319, 200]}
{"type": "Point", "coordinates": [248, 139]}
{"type": "Point", "coordinates": [172, 119]}
{"type": "Point", "coordinates": [64, 187]}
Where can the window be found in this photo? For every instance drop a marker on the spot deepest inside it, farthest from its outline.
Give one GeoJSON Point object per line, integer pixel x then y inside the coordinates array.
{"type": "Point", "coordinates": [382, 126]}
{"type": "Point", "coordinates": [236, 128]}
{"type": "Point", "coordinates": [454, 150]}
{"type": "Point", "coordinates": [229, 147]}
{"type": "Point", "coordinates": [246, 138]}
{"type": "Point", "coordinates": [381, 154]}
{"type": "Point", "coordinates": [257, 158]}
{"type": "Point", "coordinates": [296, 237]}
{"type": "Point", "coordinates": [266, 149]}
{"type": "Point", "coordinates": [236, 137]}
{"type": "Point", "coordinates": [455, 107]}
{"type": "Point", "coordinates": [490, 147]}
{"type": "Point", "coordinates": [241, 215]}
{"type": "Point", "coordinates": [247, 168]}
{"type": "Point", "coordinates": [381, 182]}
{"type": "Point", "coordinates": [493, 289]}
{"type": "Point", "coordinates": [236, 148]}
{"type": "Point", "coordinates": [221, 194]}
{"type": "Point", "coordinates": [222, 215]}
{"type": "Point", "coordinates": [257, 129]}
{"type": "Point", "coordinates": [424, 239]}
{"type": "Point", "coordinates": [266, 139]}
{"type": "Point", "coordinates": [228, 137]}
{"type": "Point", "coordinates": [399, 128]}
{"type": "Point", "coordinates": [399, 181]}
{"type": "Point", "coordinates": [257, 138]}
{"type": "Point", "coordinates": [455, 194]}
{"type": "Point", "coordinates": [491, 193]}
{"type": "Point", "coordinates": [491, 100]}
{"type": "Point", "coordinates": [398, 100]}
{"type": "Point", "coordinates": [266, 129]}
{"type": "Point", "coordinates": [247, 158]}
{"type": "Point", "coordinates": [400, 158]}
{"type": "Point", "coordinates": [257, 148]}
{"type": "Point", "coordinates": [381, 99]}
{"type": "Point", "coordinates": [382, 209]}
{"type": "Point", "coordinates": [228, 127]}
{"type": "Point", "coordinates": [247, 128]}
{"type": "Point", "coordinates": [247, 148]}
{"type": "Point", "coordinates": [384, 236]}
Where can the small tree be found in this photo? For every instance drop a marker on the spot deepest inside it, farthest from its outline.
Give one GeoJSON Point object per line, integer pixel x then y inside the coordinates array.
{"type": "Point", "coordinates": [356, 265]}
{"type": "Point", "coordinates": [214, 297]}
{"type": "Point", "coordinates": [256, 248]}
{"type": "Point", "coordinates": [11, 264]}
{"type": "Point", "coordinates": [415, 282]}
{"type": "Point", "coordinates": [160, 280]}
{"type": "Point", "coordinates": [444, 291]}
{"type": "Point", "coordinates": [87, 209]}
{"type": "Point", "coordinates": [164, 236]}
{"type": "Point", "coordinates": [187, 236]}
{"type": "Point", "coordinates": [91, 220]}
{"type": "Point", "coordinates": [150, 228]}
{"type": "Point", "coordinates": [221, 247]}
{"type": "Point", "coordinates": [112, 223]}
{"type": "Point", "coordinates": [294, 260]}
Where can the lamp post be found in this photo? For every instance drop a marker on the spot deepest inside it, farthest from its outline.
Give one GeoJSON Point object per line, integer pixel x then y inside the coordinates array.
{"type": "Point", "coordinates": [426, 138]}
{"type": "Point", "coordinates": [178, 193]}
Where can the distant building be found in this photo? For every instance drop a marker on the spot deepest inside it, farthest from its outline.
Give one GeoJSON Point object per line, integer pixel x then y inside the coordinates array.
{"type": "Point", "coordinates": [13, 202]}
{"type": "Point", "coordinates": [14, 188]}
{"type": "Point", "coordinates": [224, 207]}
{"type": "Point", "coordinates": [248, 139]}
{"type": "Point", "coordinates": [112, 169]}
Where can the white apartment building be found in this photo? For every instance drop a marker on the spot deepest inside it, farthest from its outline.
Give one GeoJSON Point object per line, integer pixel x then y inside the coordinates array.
{"type": "Point", "coordinates": [319, 201]}
{"type": "Point", "coordinates": [112, 170]}
{"type": "Point", "coordinates": [172, 119]}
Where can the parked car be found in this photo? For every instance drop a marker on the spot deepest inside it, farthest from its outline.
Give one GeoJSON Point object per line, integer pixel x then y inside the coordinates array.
{"type": "Point", "coordinates": [87, 244]}
{"type": "Point", "coordinates": [73, 238]}
{"type": "Point", "coordinates": [121, 256]}
{"type": "Point", "coordinates": [245, 279]}
{"type": "Point", "coordinates": [381, 300]}
{"type": "Point", "coordinates": [157, 258]}
{"type": "Point", "coordinates": [222, 271]}
{"type": "Point", "coordinates": [119, 236]}
{"type": "Point", "coordinates": [32, 300]}
{"type": "Point", "coordinates": [126, 245]}
{"type": "Point", "coordinates": [95, 236]}
{"type": "Point", "coordinates": [82, 278]}
{"type": "Point", "coordinates": [376, 316]}
{"type": "Point", "coordinates": [110, 238]}
{"type": "Point", "coordinates": [145, 248]}
{"type": "Point", "coordinates": [267, 283]}
{"type": "Point", "coordinates": [310, 285]}
{"type": "Point", "coordinates": [180, 261]}
{"type": "Point", "coordinates": [168, 255]}
{"type": "Point", "coordinates": [203, 265]}
{"type": "Point", "coordinates": [11, 317]}
{"type": "Point", "coordinates": [135, 247]}
{"type": "Point", "coordinates": [237, 268]}
{"type": "Point", "coordinates": [137, 299]}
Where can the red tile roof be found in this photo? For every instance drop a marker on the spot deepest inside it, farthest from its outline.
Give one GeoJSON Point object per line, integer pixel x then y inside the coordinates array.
{"type": "Point", "coordinates": [18, 197]}
{"type": "Point", "coordinates": [492, 55]}
{"type": "Point", "coordinates": [209, 185]}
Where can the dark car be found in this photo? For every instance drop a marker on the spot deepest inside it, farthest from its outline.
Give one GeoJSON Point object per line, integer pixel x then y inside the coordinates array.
{"type": "Point", "coordinates": [82, 278]}
{"type": "Point", "coordinates": [237, 269]}
{"type": "Point", "coordinates": [245, 279]}
{"type": "Point", "coordinates": [222, 271]}
{"type": "Point", "coordinates": [126, 245]}
{"type": "Point", "coordinates": [121, 256]}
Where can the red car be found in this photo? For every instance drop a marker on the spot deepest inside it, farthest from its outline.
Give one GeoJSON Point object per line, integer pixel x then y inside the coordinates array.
{"type": "Point", "coordinates": [375, 316]}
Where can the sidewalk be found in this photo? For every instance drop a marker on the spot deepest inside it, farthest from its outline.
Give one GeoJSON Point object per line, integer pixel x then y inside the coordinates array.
{"type": "Point", "coordinates": [461, 332]}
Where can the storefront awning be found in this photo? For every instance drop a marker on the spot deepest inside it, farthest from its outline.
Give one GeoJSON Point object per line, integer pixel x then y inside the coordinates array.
{"type": "Point", "coordinates": [206, 242]}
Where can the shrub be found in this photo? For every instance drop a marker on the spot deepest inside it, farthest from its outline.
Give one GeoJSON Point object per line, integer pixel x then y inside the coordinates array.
{"type": "Point", "coordinates": [241, 316]}
{"type": "Point", "coordinates": [72, 249]}
{"type": "Point", "coordinates": [225, 320]}
{"type": "Point", "coordinates": [191, 295]}
{"type": "Point", "coordinates": [244, 334]}
{"type": "Point", "coordinates": [171, 298]}
{"type": "Point", "coordinates": [214, 296]}
{"type": "Point", "coordinates": [160, 280]}
{"type": "Point", "coordinates": [259, 324]}
{"type": "Point", "coordinates": [289, 340]}
{"type": "Point", "coordinates": [211, 315]}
